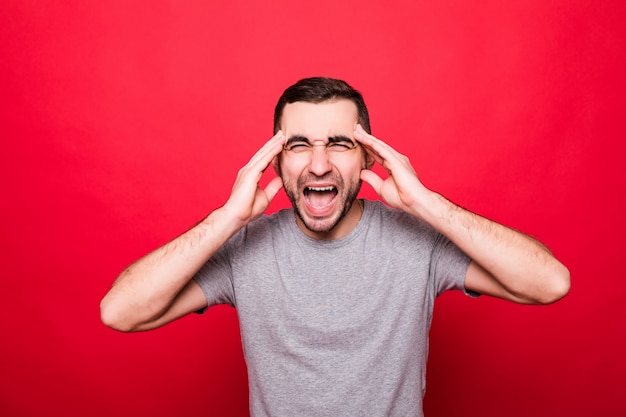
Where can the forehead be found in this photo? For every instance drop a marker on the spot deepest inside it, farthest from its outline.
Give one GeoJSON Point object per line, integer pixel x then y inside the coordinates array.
{"type": "Point", "coordinates": [321, 120]}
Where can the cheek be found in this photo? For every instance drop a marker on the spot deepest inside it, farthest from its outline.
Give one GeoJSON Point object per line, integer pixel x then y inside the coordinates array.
{"type": "Point", "coordinates": [350, 175]}
{"type": "Point", "coordinates": [357, 166]}
{"type": "Point", "coordinates": [288, 171]}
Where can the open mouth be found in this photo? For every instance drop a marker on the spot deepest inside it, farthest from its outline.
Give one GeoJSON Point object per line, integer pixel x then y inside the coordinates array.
{"type": "Point", "coordinates": [320, 197]}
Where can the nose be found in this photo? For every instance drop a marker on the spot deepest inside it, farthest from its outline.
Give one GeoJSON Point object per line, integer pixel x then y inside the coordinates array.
{"type": "Point", "coordinates": [320, 162]}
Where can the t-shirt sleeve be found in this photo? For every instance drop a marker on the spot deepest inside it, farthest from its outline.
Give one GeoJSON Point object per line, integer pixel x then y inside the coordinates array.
{"type": "Point", "coordinates": [215, 278]}
{"type": "Point", "coordinates": [448, 266]}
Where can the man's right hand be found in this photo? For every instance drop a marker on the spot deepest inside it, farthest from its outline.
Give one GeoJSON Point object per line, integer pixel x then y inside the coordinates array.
{"type": "Point", "coordinates": [247, 200]}
{"type": "Point", "coordinates": [159, 288]}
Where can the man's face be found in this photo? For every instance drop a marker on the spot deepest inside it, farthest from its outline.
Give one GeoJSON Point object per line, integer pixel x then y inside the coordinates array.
{"type": "Point", "coordinates": [320, 166]}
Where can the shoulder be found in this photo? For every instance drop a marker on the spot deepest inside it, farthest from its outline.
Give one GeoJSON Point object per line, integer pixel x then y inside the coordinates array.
{"type": "Point", "coordinates": [278, 220]}
{"type": "Point", "coordinates": [394, 220]}
{"type": "Point", "coordinates": [263, 228]}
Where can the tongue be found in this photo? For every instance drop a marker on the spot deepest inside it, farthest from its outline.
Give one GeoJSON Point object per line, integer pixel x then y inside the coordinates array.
{"type": "Point", "coordinates": [320, 199]}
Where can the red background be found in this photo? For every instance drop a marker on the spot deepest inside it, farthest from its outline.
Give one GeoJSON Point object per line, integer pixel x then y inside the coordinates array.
{"type": "Point", "coordinates": [123, 123]}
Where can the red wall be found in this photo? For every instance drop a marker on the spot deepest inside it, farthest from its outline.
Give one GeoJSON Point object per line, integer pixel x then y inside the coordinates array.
{"type": "Point", "coordinates": [123, 123]}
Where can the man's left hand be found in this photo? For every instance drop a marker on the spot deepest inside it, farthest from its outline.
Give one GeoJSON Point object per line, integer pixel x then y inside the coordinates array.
{"type": "Point", "coordinates": [402, 188]}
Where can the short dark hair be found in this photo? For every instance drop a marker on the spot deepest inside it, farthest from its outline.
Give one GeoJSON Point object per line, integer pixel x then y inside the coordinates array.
{"type": "Point", "coordinates": [318, 90]}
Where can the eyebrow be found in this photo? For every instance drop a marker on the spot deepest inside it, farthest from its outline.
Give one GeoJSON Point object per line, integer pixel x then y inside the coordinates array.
{"type": "Point", "coordinates": [331, 139]}
{"type": "Point", "coordinates": [340, 138]}
{"type": "Point", "coordinates": [297, 138]}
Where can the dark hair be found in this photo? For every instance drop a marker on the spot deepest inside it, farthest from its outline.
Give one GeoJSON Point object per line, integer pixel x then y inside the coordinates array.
{"type": "Point", "coordinates": [318, 90]}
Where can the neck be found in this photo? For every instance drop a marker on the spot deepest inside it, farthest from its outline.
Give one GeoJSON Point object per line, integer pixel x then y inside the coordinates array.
{"type": "Point", "coordinates": [341, 229]}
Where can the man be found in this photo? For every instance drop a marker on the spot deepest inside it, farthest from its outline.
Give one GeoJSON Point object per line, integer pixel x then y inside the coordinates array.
{"type": "Point", "coordinates": [335, 295]}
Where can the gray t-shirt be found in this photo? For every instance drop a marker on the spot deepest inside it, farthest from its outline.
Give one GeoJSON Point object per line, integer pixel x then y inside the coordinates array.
{"type": "Point", "coordinates": [340, 327]}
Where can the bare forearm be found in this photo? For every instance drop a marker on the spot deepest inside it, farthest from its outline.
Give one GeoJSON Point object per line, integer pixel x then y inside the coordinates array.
{"type": "Point", "coordinates": [147, 288]}
{"type": "Point", "coordinates": [158, 289]}
{"type": "Point", "coordinates": [523, 266]}
{"type": "Point", "coordinates": [506, 263]}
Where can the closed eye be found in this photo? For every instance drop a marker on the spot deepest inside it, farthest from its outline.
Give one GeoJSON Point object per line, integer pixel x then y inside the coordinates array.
{"type": "Point", "coordinates": [298, 147]}
{"type": "Point", "coordinates": [340, 146]}
{"type": "Point", "coordinates": [341, 141]}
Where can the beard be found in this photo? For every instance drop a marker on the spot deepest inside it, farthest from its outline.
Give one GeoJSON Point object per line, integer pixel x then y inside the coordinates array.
{"type": "Point", "coordinates": [346, 197]}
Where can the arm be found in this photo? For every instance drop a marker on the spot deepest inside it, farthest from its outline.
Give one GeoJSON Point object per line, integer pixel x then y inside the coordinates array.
{"type": "Point", "coordinates": [159, 288]}
{"type": "Point", "coordinates": [505, 263]}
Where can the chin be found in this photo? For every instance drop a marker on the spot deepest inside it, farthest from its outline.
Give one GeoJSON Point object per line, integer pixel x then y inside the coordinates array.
{"type": "Point", "coordinates": [327, 223]}
{"type": "Point", "coordinates": [320, 226]}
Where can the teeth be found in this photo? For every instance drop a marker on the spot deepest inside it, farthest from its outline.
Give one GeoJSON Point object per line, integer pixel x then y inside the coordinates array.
{"type": "Point", "coordinates": [320, 189]}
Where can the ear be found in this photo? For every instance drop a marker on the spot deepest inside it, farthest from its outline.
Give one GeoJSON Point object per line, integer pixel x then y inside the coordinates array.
{"type": "Point", "coordinates": [276, 164]}
{"type": "Point", "coordinates": [368, 160]}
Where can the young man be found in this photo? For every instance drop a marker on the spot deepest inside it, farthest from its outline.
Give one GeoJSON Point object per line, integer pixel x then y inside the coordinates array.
{"type": "Point", "coordinates": [335, 295]}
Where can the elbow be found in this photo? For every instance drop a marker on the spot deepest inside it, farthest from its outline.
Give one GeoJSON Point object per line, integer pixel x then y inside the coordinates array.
{"type": "Point", "coordinates": [112, 317]}
{"type": "Point", "coordinates": [558, 286]}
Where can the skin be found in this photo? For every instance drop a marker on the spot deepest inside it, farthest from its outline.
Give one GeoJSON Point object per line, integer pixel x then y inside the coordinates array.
{"type": "Point", "coordinates": [159, 288]}
{"type": "Point", "coordinates": [505, 263]}
{"type": "Point", "coordinates": [316, 123]}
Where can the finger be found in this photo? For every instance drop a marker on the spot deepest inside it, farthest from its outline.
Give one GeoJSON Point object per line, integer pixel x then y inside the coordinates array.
{"type": "Point", "coordinates": [373, 155]}
{"type": "Point", "coordinates": [272, 147]}
{"type": "Point", "coordinates": [362, 136]}
{"type": "Point", "coordinates": [376, 145]}
{"type": "Point", "coordinates": [390, 159]}
{"type": "Point", "coordinates": [372, 179]}
{"type": "Point", "coordinates": [368, 142]}
{"type": "Point", "coordinates": [269, 150]}
{"type": "Point", "coordinates": [261, 160]}
{"type": "Point", "coordinates": [273, 187]}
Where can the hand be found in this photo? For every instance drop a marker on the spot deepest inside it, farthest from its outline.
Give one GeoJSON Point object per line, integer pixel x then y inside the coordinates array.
{"type": "Point", "coordinates": [505, 263]}
{"type": "Point", "coordinates": [402, 189]}
{"type": "Point", "coordinates": [247, 200]}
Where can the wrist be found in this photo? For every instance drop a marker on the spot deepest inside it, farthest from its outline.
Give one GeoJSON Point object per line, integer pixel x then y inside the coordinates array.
{"type": "Point", "coordinates": [221, 222]}
{"type": "Point", "coordinates": [433, 208]}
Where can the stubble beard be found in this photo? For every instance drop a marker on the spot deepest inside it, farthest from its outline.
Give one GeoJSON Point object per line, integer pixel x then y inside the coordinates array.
{"type": "Point", "coordinates": [347, 196]}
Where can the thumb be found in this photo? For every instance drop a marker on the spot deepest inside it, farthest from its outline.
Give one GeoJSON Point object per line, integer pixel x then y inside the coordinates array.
{"type": "Point", "coordinates": [273, 187]}
{"type": "Point", "coordinates": [372, 179]}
